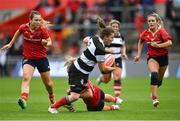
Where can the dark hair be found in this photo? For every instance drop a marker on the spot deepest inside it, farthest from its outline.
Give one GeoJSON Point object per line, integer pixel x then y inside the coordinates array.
{"type": "Point", "coordinates": [45, 23]}
{"type": "Point", "coordinates": [106, 32]}
{"type": "Point", "coordinates": [32, 13]}
{"type": "Point", "coordinates": [100, 23]}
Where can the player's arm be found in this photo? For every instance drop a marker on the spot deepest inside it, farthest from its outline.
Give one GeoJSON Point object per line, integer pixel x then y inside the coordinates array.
{"type": "Point", "coordinates": [108, 50]}
{"type": "Point", "coordinates": [13, 40]}
{"type": "Point", "coordinates": [168, 43]}
{"type": "Point", "coordinates": [140, 47]}
{"type": "Point", "coordinates": [124, 55]}
{"type": "Point", "coordinates": [47, 42]}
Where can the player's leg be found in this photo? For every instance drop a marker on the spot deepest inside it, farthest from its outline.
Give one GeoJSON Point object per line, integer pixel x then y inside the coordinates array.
{"type": "Point", "coordinates": [45, 76]}
{"type": "Point", "coordinates": [153, 68]}
{"type": "Point", "coordinates": [103, 78]}
{"type": "Point", "coordinates": [162, 71]}
{"type": "Point", "coordinates": [110, 98]}
{"type": "Point", "coordinates": [163, 62]}
{"type": "Point", "coordinates": [70, 106]}
{"type": "Point", "coordinates": [110, 107]}
{"type": "Point", "coordinates": [117, 81]}
{"type": "Point", "coordinates": [27, 75]}
{"type": "Point", "coordinates": [63, 101]}
{"type": "Point", "coordinates": [44, 70]}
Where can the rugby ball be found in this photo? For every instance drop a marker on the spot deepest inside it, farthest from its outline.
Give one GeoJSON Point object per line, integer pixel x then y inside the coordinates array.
{"type": "Point", "coordinates": [109, 59]}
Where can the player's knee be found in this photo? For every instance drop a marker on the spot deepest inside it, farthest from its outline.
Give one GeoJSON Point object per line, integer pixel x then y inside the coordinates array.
{"type": "Point", "coordinates": [26, 78]}
{"type": "Point", "coordinates": [49, 84]}
{"type": "Point", "coordinates": [71, 98]}
{"type": "Point", "coordinates": [106, 79]}
{"type": "Point", "coordinates": [154, 78]}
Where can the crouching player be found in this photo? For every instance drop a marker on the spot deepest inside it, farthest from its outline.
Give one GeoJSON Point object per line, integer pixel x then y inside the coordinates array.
{"type": "Point", "coordinates": [94, 98]}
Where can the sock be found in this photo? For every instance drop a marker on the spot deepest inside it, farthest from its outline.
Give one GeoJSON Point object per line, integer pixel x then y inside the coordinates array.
{"type": "Point", "coordinates": [153, 97]}
{"type": "Point", "coordinates": [117, 88]}
{"type": "Point", "coordinates": [51, 98]}
{"type": "Point", "coordinates": [24, 96]}
{"type": "Point", "coordinates": [115, 99]}
{"type": "Point", "coordinates": [111, 107]}
{"type": "Point", "coordinates": [60, 103]}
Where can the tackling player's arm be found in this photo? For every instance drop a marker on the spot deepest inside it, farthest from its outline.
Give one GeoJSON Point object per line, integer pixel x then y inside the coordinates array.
{"type": "Point", "coordinates": [105, 69]}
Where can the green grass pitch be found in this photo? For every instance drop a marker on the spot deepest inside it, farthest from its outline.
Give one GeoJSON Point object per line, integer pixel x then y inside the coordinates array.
{"type": "Point", "coordinates": [137, 104]}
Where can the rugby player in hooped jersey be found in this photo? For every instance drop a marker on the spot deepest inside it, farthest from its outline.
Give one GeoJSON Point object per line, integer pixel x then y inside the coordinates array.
{"type": "Point", "coordinates": [35, 40]}
{"type": "Point", "coordinates": [158, 41]}
{"type": "Point", "coordinates": [79, 70]}
{"type": "Point", "coordinates": [118, 49]}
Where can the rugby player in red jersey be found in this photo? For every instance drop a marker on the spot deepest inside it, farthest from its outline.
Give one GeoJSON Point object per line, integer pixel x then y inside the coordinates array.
{"type": "Point", "coordinates": [35, 40]}
{"type": "Point", "coordinates": [94, 98]}
{"type": "Point", "coordinates": [158, 41]}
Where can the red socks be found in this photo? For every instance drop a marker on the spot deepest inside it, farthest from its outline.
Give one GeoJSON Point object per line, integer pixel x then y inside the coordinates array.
{"type": "Point", "coordinates": [51, 98]}
{"type": "Point", "coordinates": [60, 103]}
{"type": "Point", "coordinates": [24, 96]}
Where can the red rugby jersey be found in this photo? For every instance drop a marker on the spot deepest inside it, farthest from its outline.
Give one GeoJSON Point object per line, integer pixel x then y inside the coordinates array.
{"type": "Point", "coordinates": [159, 36]}
{"type": "Point", "coordinates": [93, 102]}
{"type": "Point", "coordinates": [32, 47]}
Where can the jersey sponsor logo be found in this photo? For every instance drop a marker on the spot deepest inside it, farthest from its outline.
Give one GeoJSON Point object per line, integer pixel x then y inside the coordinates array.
{"type": "Point", "coordinates": [31, 39]}
{"type": "Point", "coordinates": [72, 85]}
{"type": "Point", "coordinates": [82, 81]}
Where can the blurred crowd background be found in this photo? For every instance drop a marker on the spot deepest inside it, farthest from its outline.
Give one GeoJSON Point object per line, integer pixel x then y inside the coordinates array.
{"type": "Point", "coordinates": [72, 20]}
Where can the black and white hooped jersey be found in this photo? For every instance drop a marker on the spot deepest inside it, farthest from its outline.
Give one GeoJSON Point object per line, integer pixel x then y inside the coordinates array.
{"type": "Point", "coordinates": [116, 45]}
{"type": "Point", "coordinates": [94, 53]}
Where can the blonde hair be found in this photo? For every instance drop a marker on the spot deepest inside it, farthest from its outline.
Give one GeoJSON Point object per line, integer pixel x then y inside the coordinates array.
{"type": "Point", "coordinates": [114, 21]}
{"type": "Point", "coordinates": [158, 19]}
{"type": "Point", "coordinates": [69, 61]}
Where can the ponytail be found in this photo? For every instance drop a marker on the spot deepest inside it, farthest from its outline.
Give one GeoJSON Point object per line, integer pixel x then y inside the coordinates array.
{"type": "Point", "coordinates": [101, 23]}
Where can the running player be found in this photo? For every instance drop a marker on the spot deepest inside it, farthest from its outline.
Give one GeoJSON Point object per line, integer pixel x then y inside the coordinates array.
{"type": "Point", "coordinates": [158, 41]}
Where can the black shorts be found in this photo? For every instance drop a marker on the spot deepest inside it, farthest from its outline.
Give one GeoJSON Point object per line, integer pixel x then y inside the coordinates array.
{"type": "Point", "coordinates": [162, 60]}
{"type": "Point", "coordinates": [118, 62]}
{"type": "Point", "coordinates": [77, 80]}
{"type": "Point", "coordinates": [41, 64]}
{"type": "Point", "coordinates": [100, 105]}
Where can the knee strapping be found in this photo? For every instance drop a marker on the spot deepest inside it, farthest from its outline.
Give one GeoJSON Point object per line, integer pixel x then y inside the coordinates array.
{"type": "Point", "coordinates": [68, 100]}
{"type": "Point", "coordinates": [154, 78]}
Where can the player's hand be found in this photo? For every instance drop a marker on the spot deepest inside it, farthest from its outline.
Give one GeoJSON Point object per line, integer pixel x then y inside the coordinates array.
{"type": "Point", "coordinates": [5, 47]}
{"type": "Point", "coordinates": [86, 40]}
{"type": "Point", "coordinates": [125, 56]}
{"type": "Point", "coordinates": [136, 59]}
{"type": "Point", "coordinates": [154, 44]}
{"type": "Point", "coordinates": [44, 42]}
